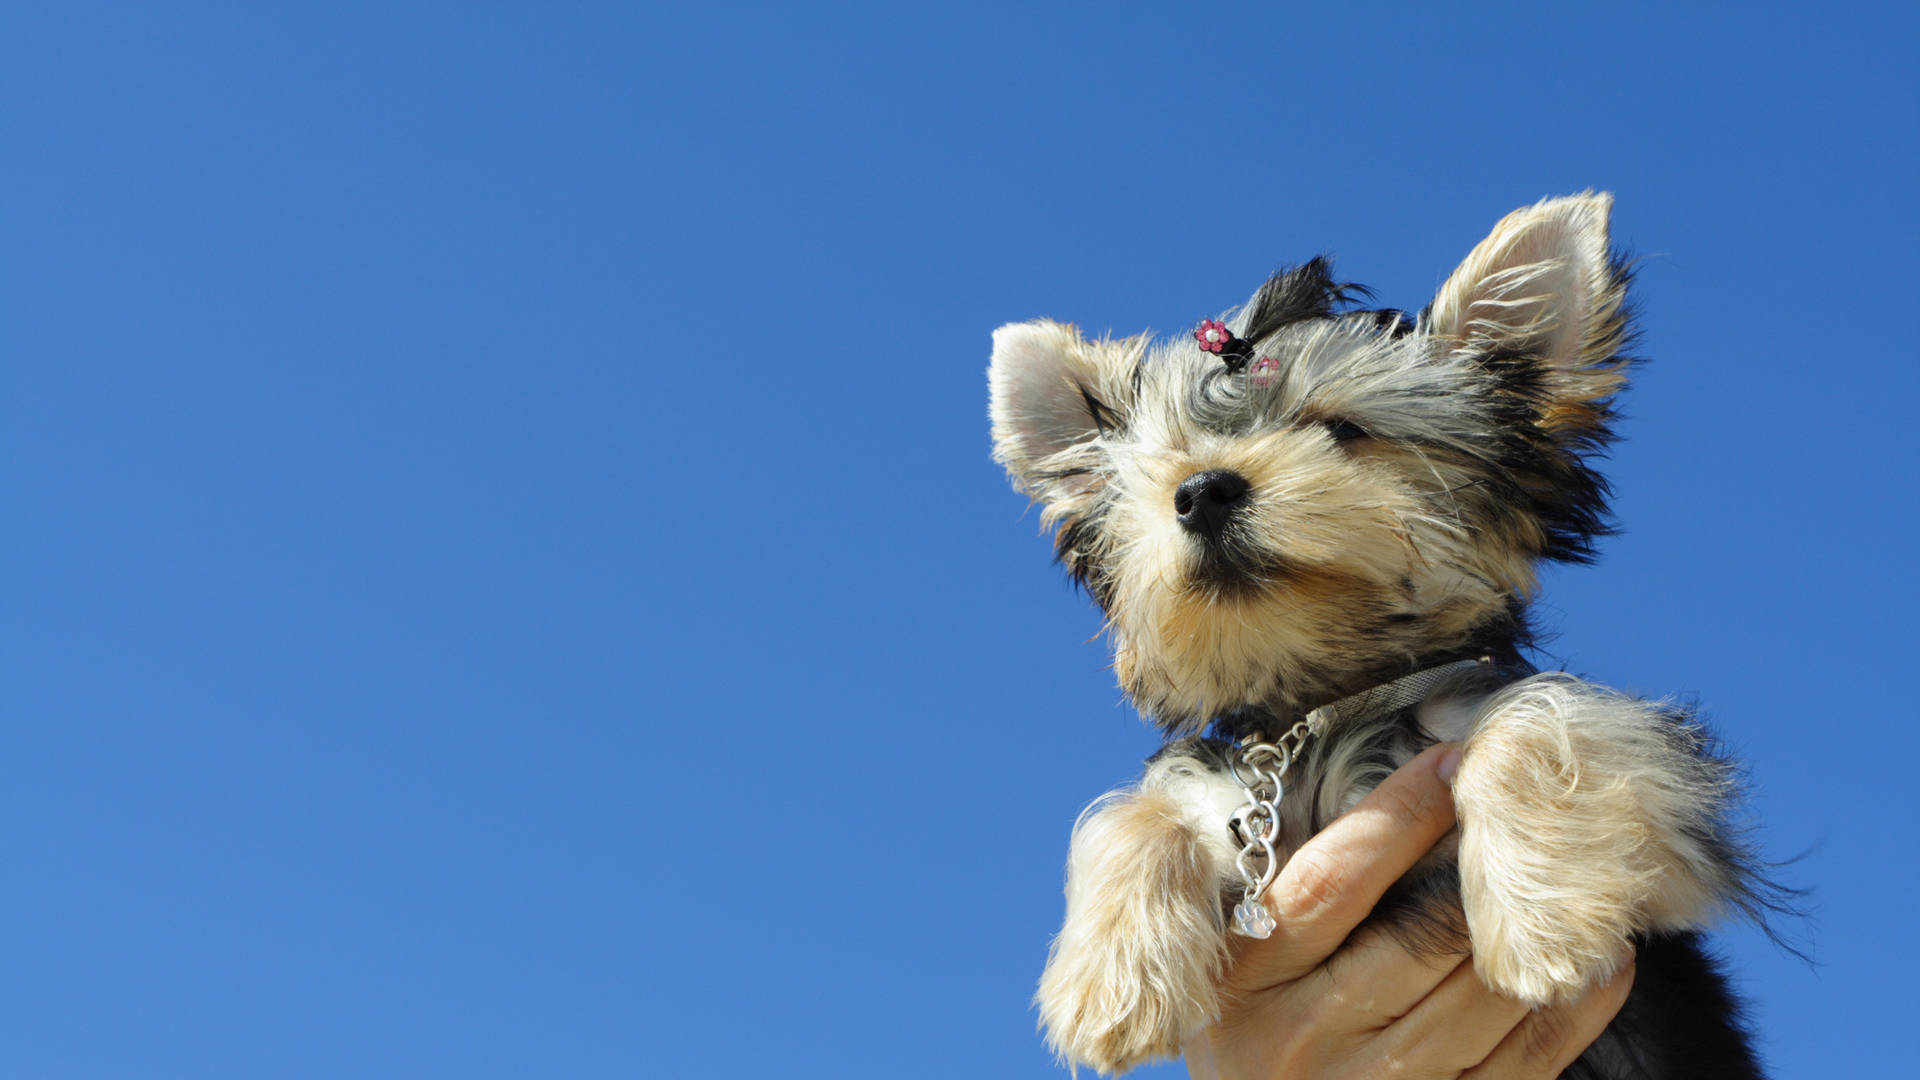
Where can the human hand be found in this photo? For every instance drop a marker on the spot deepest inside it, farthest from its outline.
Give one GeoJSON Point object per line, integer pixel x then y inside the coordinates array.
{"type": "Point", "coordinates": [1318, 1000]}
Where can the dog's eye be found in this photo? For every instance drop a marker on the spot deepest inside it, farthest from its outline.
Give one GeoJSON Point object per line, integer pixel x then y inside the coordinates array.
{"type": "Point", "coordinates": [1345, 430]}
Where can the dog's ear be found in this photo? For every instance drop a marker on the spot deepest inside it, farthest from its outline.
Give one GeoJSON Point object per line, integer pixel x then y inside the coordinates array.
{"type": "Point", "coordinates": [1052, 394]}
{"type": "Point", "coordinates": [1542, 297]}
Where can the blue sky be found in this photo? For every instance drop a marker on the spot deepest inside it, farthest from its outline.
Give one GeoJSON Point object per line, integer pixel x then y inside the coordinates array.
{"type": "Point", "coordinates": [506, 578]}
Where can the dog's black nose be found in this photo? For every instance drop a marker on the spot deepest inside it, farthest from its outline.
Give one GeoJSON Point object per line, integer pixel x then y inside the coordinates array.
{"type": "Point", "coordinates": [1206, 501]}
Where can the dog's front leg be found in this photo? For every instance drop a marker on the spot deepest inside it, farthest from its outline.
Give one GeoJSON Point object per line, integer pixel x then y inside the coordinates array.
{"type": "Point", "coordinates": [1586, 817]}
{"type": "Point", "coordinates": [1132, 973]}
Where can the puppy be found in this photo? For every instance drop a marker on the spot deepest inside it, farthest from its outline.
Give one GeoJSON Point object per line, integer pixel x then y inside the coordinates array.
{"type": "Point", "coordinates": [1314, 528]}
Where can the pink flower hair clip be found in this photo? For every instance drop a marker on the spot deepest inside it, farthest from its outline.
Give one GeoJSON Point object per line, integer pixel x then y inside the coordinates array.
{"type": "Point", "coordinates": [1214, 337]}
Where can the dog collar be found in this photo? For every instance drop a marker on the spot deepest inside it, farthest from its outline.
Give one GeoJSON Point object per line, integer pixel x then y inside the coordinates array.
{"type": "Point", "coordinates": [1387, 697]}
{"type": "Point", "coordinates": [1260, 765]}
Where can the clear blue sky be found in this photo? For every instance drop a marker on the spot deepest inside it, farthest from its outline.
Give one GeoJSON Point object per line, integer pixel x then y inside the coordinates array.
{"type": "Point", "coordinates": [504, 577]}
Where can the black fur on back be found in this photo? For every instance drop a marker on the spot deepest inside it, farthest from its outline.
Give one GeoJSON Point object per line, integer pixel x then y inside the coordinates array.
{"type": "Point", "coordinates": [1680, 1022]}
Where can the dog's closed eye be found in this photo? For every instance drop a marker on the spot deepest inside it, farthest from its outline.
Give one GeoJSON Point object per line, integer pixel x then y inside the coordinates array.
{"type": "Point", "coordinates": [1345, 430]}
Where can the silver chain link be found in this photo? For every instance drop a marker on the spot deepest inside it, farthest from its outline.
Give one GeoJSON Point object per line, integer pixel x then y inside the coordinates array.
{"type": "Point", "coordinates": [1259, 768]}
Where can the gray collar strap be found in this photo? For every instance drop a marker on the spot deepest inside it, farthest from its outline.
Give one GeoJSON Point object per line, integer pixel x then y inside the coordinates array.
{"type": "Point", "coordinates": [1388, 697]}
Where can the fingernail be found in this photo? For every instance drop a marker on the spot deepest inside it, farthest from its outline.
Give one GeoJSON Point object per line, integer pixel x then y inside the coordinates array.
{"type": "Point", "coordinates": [1449, 764]}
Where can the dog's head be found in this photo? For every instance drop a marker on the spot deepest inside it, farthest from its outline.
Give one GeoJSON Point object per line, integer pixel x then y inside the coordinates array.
{"type": "Point", "coordinates": [1336, 493]}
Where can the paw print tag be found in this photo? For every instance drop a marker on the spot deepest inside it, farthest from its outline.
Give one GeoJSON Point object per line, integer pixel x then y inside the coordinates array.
{"type": "Point", "coordinates": [1252, 919]}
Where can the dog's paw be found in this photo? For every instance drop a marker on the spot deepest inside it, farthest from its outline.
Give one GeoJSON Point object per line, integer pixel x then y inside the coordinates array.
{"type": "Point", "coordinates": [1586, 818]}
{"type": "Point", "coordinates": [1133, 971]}
{"type": "Point", "coordinates": [1542, 960]}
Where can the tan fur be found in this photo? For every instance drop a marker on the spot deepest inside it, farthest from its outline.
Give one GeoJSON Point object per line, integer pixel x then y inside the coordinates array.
{"type": "Point", "coordinates": [1132, 972]}
{"type": "Point", "coordinates": [1580, 818]}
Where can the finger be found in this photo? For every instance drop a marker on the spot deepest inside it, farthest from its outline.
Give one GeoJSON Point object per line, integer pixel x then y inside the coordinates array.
{"type": "Point", "coordinates": [1201, 1063]}
{"type": "Point", "coordinates": [1330, 884]}
{"type": "Point", "coordinates": [1375, 979]}
{"type": "Point", "coordinates": [1455, 1027]}
{"type": "Point", "coordinates": [1294, 1028]}
{"type": "Point", "coordinates": [1548, 1040]}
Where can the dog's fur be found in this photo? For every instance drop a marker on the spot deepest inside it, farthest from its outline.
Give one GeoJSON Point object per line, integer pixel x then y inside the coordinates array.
{"type": "Point", "coordinates": [1404, 476]}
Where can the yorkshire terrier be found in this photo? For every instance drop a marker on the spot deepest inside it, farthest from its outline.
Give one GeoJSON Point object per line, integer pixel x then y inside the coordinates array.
{"type": "Point", "coordinates": [1313, 529]}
